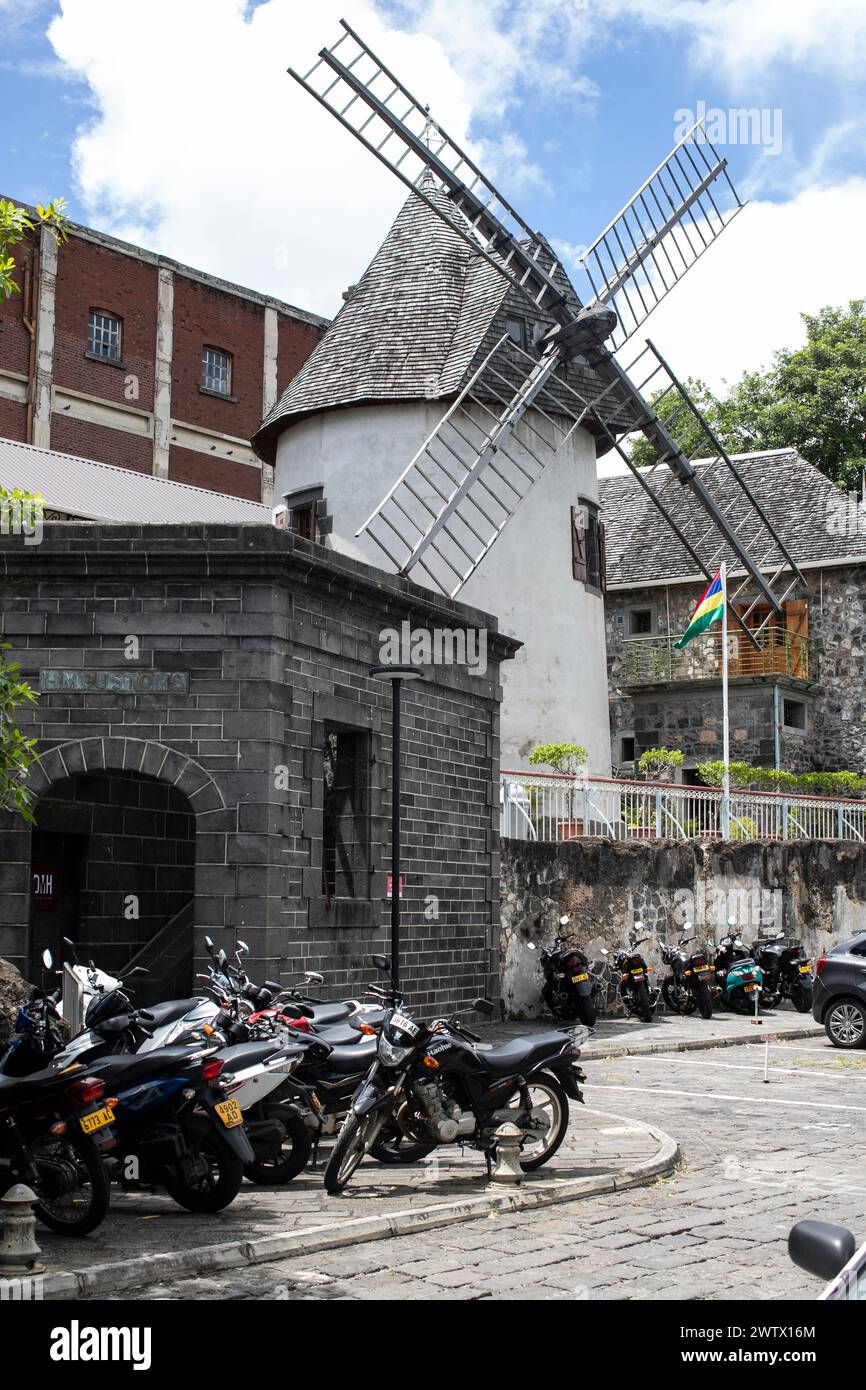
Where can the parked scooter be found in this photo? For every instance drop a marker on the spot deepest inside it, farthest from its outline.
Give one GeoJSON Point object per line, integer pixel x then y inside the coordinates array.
{"type": "Point", "coordinates": [689, 984]}
{"type": "Point", "coordinates": [787, 972]}
{"type": "Point", "coordinates": [634, 976]}
{"type": "Point", "coordinates": [738, 978]}
{"type": "Point", "coordinates": [568, 985]}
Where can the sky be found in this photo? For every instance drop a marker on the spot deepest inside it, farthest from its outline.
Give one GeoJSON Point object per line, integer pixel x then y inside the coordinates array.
{"type": "Point", "coordinates": [173, 124]}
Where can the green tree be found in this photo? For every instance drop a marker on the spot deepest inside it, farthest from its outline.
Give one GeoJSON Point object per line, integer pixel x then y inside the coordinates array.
{"type": "Point", "coordinates": [811, 398]}
{"type": "Point", "coordinates": [17, 753]}
{"type": "Point", "coordinates": [15, 223]}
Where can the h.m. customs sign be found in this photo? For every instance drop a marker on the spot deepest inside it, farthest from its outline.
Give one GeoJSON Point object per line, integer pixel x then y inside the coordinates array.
{"type": "Point", "coordinates": [137, 682]}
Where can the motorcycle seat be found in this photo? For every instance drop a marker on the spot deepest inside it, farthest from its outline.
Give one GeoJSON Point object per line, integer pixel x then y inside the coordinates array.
{"type": "Point", "coordinates": [17, 1090]}
{"type": "Point", "coordinates": [170, 1011]}
{"type": "Point", "coordinates": [123, 1067]}
{"type": "Point", "coordinates": [323, 1014]}
{"type": "Point", "coordinates": [339, 1035]}
{"type": "Point", "coordinates": [520, 1053]}
{"type": "Point", "coordinates": [348, 1060]}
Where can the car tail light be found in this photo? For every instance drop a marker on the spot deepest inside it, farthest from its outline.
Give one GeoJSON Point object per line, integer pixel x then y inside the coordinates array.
{"type": "Point", "coordinates": [211, 1070]}
{"type": "Point", "coordinates": [87, 1089]}
{"type": "Point", "coordinates": [819, 964]}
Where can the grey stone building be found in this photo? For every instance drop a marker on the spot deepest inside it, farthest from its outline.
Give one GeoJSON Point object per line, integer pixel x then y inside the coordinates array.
{"type": "Point", "coordinates": [215, 758]}
{"type": "Point", "coordinates": [798, 702]}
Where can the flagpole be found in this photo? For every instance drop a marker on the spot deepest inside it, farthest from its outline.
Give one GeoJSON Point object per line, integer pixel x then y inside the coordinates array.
{"type": "Point", "coordinates": [726, 751]}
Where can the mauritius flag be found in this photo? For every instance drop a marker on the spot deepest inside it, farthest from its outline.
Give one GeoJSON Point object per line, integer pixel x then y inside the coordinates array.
{"type": "Point", "coordinates": [710, 607]}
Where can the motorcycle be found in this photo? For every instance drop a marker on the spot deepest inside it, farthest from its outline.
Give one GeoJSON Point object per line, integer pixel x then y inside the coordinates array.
{"type": "Point", "coordinates": [689, 984]}
{"type": "Point", "coordinates": [634, 972]}
{"type": "Point", "coordinates": [738, 977]}
{"type": "Point", "coordinates": [568, 989]}
{"type": "Point", "coordinates": [46, 1123]}
{"type": "Point", "coordinates": [439, 1088]}
{"type": "Point", "coordinates": [787, 972]}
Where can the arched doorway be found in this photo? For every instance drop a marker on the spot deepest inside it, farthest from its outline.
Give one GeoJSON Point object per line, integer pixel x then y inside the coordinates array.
{"type": "Point", "coordinates": [113, 868]}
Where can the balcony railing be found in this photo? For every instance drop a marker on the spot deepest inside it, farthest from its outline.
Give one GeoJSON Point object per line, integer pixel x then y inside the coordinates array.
{"type": "Point", "coordinates": [654, 660]}
{"type": "Point", "coordinates": [542, 806]}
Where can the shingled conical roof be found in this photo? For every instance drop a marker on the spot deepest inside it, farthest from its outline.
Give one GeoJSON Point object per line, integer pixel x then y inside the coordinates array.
{"type": "Point", "coordinates": [415, 327]}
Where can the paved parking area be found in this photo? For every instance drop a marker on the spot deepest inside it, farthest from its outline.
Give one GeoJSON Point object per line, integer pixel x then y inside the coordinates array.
{"type": "Point", "coordinates": [757, 1156]}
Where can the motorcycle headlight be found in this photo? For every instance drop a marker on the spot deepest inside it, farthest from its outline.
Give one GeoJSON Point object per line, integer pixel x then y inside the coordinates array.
{"type": "Point", "coordinates": [390, 1054]}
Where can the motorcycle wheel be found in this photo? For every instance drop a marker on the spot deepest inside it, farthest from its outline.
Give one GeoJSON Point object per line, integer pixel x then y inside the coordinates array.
{"type": "Point", "coordinates": [349, 1149]}
{"type": "Point", "coordinates": [586, 1010]}
{"type": "Point", "coordinates": [705, 1001]}
{"type": "Point", "coordinates": [72, 1185]}
{"type": "Point", "coordinates": [642, 1002]}
{"type": "Point", "coordinates": [293, 1153]}
{"type": "Point", "coordinates": [218, 1187]}
{"type": "Point", "coordinates": [801, 998]}
{"type": "Point", "coordinates": [393, 1146]}
{"type": "Point", "coordinates": [741, 1003]}
{"type": "Point", "coordinates": [554, 1102]}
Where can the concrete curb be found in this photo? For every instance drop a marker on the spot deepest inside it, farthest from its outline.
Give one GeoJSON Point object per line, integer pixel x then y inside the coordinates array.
{"type": "Point", "coordinates": [311, 1240]}
{"type": "Point", "coordinates": [609, 1054]}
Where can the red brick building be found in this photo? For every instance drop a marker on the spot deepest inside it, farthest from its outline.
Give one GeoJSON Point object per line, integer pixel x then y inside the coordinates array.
{"type": "Point", "coordinates": [117, 354]}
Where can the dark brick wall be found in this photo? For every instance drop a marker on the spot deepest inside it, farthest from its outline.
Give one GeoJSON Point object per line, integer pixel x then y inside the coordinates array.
{"type": "Point", "coordinates": [91, 441]}
{"type": "Point", "coordinates": [277, 637]}
{"type": "Point", "coordinates": [14, 335]}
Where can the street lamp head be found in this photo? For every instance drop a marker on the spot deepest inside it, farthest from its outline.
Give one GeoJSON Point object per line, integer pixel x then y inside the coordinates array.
{"type": "Point", "coordinates": [397, 673]}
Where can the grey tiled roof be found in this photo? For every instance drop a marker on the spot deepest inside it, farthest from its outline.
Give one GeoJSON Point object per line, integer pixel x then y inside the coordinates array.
{"type": "Point", "coordinates": [808, 512]}
{"type": "Point", "coordinates": [94, 491]}
{"type": "Point", "coordinates": [415, 327]}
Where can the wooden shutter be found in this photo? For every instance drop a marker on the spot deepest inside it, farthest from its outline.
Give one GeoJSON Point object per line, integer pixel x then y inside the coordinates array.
{"type": "Point", "coordinates": [796, 613]}
{"type": "Point", "coordinates": [578, 544]}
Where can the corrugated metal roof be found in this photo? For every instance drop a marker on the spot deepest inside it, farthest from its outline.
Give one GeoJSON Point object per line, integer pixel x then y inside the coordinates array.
{"type": "Point", "coordinates": [101, 492]}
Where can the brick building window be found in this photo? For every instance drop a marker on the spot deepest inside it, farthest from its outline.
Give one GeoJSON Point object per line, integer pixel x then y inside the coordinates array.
{"type": "Point", "coordinates": [216, 371]}
{"type": "Point", "coordinates": [103, 335]}
{"type": "Point", "coordinates": [346, 813]}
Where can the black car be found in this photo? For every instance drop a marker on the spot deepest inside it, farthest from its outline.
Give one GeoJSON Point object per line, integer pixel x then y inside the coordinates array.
{"type": "Point", "coordinates": [839, 993]}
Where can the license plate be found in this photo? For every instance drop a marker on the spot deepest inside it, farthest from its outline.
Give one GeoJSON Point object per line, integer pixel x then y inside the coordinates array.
{"type": "Point", "coordinates": [750, 989]}
{"type": "Point", "coordinates": [804, 969]}
{"type": "Point", "coordinates": [579, 979]}
{"type": "Point", "coordinates": [97, 1119]}
{"type": "Point", "coordinates": [404, 1024]}
{"type": "Point", "coordinates": [637, 974]}
{"type": "Point", "coordinates": [230, 1113]}
{"type": "Point", "coordinates": [705, 975]}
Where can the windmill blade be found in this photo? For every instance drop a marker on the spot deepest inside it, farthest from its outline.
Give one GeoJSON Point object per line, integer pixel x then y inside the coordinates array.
{"type": "Point", "coordinates": [710, 507]}
{"type": "Point", "coordinates": [674, 217]}
{"type": "Point", "coordinates": [463, 486]}
{"type": "Point", "coordinates": [351, 82]}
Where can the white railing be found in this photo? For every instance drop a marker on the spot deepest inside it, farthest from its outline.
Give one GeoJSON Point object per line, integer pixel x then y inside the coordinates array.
{"type": "Point", "coordinates": [545, 806]}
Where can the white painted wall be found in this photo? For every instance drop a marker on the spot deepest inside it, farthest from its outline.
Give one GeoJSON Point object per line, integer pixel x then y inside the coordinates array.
{"type": "Point", "coordinates": [556, 687]}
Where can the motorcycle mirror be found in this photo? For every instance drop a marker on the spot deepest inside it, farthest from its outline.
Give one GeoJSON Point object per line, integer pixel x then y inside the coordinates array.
{"type": "Point", "coordinates": [243, 948]}
{"type": "Point", "coordinates": [638, 927]}
{"type": "Point", "coordinates": [273, 985]}
{"type": "Point", "coordinates": [67, 941]}
{"type": "Point", "coordinates": [731, 923]}
{"type": "Point", "coordinates": [564, 920]}
{"type": "Point", "coordinates": [821, 1248]}
{"type": "Point", "coordinates": [314, 977]}
{"type": "Point", "coordinates": [47, 959]}
{"type": "Point", "coordinates": [603, 951]}
{"type": "Point", "coordinates": [483, 1006]}
{"type": "Point", "coordinates": [686, 926]}
{"type": "Point", "coordinates": [209, 946]}
{"type": "Point", "coordinates": [780, 936]}
{"type": "Point", "coordinates": [222, 957]}
{"type": "Point", "coordinates": [531, 946]}
{"type": "Point", "coordinates": [381, 962]}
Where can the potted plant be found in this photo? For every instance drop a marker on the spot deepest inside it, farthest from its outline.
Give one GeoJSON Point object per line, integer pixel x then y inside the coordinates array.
{"type": "Point", "coordinates": [659, 764]}
{"type": "Point", "coordinates": [569, 760]}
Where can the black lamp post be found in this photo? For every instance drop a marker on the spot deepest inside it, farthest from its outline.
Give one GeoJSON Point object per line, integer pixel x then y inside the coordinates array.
{"type": "Point", "coordinates": [396, 675]}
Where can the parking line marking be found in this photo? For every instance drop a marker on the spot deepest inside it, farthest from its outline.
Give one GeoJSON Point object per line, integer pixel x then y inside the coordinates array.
{"type": "Point", "coordinates": [744, 1066]}
{"type": "Point", "coordinates": [719, 1095]}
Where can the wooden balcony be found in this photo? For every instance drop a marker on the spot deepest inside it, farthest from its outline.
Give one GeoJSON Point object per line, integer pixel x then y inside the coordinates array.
{"type": "Point", "coordinates": [655, 661]}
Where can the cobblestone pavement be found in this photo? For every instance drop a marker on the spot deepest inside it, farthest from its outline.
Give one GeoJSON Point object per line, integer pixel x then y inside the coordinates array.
{"type": "Point", "coordinates": [757, 1157]}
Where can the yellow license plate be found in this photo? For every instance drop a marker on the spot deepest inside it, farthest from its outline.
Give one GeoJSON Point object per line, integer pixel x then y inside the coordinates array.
{"type": "Point", "coordinates": [230, 1113]}
{"type": "Point", "coordinates": [636, 974]}
{"type": "Point", "coordinates": [578, 979]}
{"type": "Point", "coordinates": [97, 1119]}
{"type": "Point", "coordinates": [804, 969]}
{"type": "Point", "coordinates": [750, 989]}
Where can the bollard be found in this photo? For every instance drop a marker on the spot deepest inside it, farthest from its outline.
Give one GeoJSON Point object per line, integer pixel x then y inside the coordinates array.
{"type": "Point", "coordinates": [18, 1248]}
{"type": "Point", "coordinates": [507, 1168]}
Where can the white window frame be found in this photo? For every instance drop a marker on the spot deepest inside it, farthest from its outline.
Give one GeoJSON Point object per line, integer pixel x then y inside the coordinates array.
{"type": "Point", "coordinates": [210, 358]}
{"type": "Point", "coordinates": [104, 329]}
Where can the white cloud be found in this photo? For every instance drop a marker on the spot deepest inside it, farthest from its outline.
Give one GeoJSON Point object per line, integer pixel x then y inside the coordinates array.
{"type": "Point", "coordinates": [744, 298]}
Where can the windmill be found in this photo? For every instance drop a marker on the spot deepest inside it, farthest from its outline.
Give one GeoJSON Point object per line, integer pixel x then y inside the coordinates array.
{"type": "Point", "coordinates": [463, 486]}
